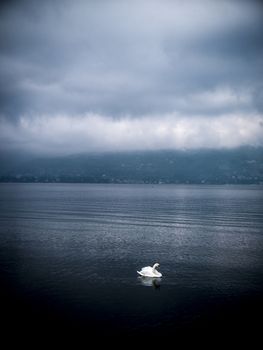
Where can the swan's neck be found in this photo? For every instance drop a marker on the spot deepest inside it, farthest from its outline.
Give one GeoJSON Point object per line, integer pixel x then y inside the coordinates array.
{"type": "Point", "coordinates": [154, 267]}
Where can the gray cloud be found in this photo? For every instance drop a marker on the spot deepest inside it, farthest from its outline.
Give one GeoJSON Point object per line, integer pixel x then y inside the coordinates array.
{"type": "Point", "coordinates": [63, 134]}
{"type": "Point", "coordinates": [121, 59]}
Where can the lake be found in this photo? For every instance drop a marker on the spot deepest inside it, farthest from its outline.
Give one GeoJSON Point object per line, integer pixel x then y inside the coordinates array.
{"type": "Point", "coordinates": [69, 255]}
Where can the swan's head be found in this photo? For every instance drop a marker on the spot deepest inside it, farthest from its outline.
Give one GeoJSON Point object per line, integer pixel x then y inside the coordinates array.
{"type": "Point", "coordinates": [156, 265]}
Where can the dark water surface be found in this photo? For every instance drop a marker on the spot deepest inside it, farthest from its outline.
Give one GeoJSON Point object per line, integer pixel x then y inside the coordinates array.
{"type": "Point", "coordinates": [69, 255]}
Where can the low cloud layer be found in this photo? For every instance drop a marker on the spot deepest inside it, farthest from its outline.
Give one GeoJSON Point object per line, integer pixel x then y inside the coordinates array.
{"type": "Point", "coordinates": [67, 135]}
{"type": "Point", "coordinates": [80, 75]}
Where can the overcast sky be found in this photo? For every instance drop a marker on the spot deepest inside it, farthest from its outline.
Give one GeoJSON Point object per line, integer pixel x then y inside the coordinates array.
{"type": "Point", "coordinates": [80, 76]}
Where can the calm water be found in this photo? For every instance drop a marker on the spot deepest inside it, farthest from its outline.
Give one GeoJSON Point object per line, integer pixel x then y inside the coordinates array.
{"type": "Point", "coordinates": [69, 255]}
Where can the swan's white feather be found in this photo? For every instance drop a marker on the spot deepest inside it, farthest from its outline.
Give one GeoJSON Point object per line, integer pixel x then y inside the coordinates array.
{"type": "Point", "coordinates": [148, 271]}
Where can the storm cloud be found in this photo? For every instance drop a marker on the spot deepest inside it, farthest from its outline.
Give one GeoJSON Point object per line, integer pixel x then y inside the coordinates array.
{"type": "Point", "coordinates": [116, 75]}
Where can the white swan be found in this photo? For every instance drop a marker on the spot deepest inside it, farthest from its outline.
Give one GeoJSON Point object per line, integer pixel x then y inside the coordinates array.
{"type": "Point", "coordinates": [150, 271]}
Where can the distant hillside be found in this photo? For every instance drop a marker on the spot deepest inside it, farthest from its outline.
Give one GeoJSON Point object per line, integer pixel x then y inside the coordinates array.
{"type": "Point", "coordinates": [237, 166]}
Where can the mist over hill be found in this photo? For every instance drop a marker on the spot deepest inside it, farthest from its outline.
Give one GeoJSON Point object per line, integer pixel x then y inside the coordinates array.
{"type": "Point", "coordinates": [235, 166]}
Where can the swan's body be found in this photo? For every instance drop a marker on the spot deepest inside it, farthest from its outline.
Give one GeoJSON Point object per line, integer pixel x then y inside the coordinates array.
{"type": "Point", "coordinates": [150, 271]}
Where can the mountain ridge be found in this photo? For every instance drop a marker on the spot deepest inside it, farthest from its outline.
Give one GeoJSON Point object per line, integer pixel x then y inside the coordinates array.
{"type": "Point", "coordinates": [207, 166]}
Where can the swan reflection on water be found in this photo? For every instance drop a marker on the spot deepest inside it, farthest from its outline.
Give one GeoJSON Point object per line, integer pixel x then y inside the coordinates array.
{"type": "Point", "coordinates": [154, 282]}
